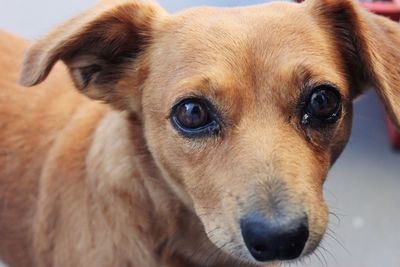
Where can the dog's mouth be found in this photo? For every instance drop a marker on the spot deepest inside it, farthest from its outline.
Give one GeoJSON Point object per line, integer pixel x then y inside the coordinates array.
{"type": "Point", "coordinates": [243, 257]}
{"type": "Point", "coordinates": [263, 255]}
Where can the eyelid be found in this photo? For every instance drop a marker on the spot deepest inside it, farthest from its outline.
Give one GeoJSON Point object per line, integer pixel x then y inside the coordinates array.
{"type": "Point", "coordinates": [311, 85]}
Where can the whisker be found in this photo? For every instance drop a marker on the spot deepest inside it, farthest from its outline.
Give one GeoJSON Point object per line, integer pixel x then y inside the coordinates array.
{"type": "Point", "coordinates": [330, 253]}
{"type": "Point", "coordinates": [318, 257]}
{"type": "Point", "coordinates": [330, 233]}
{"type": "Point", "coordinates": [336, 217]}
{"type": "Point", "coordinates": [323, 256]}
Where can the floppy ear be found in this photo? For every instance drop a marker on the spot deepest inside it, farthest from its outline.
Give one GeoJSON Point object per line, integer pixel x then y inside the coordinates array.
{"type": "Point", "coordinates": [98, 47]}
{"type": "Point", "coordinates": [370, 48]}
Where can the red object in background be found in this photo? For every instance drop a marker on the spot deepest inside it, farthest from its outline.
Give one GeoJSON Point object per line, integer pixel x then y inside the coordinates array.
{"type": "Point", "coordinates": [394, 135]}
{"type": "Point", "coordinates": [390, 9]}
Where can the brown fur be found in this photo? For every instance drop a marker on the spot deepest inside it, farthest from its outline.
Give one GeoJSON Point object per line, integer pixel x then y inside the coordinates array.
{"type": "Point", "coordinates": [86, 183]}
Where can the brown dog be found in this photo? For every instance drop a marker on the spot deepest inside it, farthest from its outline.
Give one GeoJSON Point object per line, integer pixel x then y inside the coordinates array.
{"type": "Point", "coordinates": [211, 141]}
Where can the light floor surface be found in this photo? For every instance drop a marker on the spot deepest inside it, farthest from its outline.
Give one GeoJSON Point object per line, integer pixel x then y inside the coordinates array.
{"type": "Point", "coordinates": [362, 188]}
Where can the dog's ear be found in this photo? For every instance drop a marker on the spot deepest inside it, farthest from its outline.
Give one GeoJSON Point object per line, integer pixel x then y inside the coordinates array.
{"type": "Point", "coordinates": [370, 48]}
{"type": "Point", "coordinates": [98, 47]}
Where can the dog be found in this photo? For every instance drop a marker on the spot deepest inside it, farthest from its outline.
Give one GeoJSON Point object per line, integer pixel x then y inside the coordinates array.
{"type": "Point", "coordinates": [196, 139]}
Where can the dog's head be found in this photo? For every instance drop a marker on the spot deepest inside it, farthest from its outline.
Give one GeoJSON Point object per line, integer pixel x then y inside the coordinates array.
{"type": "Point", "coordinates": [245, 110]}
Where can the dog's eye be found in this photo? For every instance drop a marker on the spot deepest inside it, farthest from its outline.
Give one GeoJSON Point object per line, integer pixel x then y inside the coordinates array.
{"type": "Point", "coordinates": [195, 118]}
{"type": "Point", "coordinates": [323, 106]}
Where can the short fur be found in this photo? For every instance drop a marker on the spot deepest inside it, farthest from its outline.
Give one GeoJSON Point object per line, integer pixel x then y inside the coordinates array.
{"type": "Point", "coordinates": [105, 180]}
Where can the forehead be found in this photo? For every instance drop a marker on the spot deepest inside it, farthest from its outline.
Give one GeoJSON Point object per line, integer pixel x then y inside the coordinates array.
{"type": "Point", "coordinates": [271, 46]}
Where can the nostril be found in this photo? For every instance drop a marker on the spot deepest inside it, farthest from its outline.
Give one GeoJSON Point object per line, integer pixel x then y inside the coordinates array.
{"type": "Point", "coordinates": [260, 248]}
{"type": "Point", "coordinates": [260, 252]}
{"type": "Point", "coordinates": [269, 241]}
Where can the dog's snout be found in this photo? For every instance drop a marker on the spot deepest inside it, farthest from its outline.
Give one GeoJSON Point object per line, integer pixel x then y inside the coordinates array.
{"type": "Point", "coordinates": [274, 240]}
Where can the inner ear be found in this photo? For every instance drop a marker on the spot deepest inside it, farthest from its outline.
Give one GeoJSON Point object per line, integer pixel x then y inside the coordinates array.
{"type": "Point", "coordinates": [94, 71]}
{"type": "Point", "coordinates": [85, 69]}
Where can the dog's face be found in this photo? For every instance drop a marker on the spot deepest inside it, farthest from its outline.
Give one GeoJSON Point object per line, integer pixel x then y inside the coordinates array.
{"type": "Point", "coordinates": [244, 110]}
{"type": "Point", "coordinates": [252, 111]}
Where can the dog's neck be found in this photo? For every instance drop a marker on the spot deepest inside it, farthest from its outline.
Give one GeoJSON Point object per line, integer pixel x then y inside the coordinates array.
{"type": "Point", "coordinates": [136, 199]}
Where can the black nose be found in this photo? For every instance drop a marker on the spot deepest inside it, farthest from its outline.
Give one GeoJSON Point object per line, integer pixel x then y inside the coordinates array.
{"type": "Point", "coordinates": [275, 239]}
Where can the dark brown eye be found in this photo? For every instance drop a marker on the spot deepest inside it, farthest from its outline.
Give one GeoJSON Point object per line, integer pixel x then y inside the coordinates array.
{"type": "Point", "coordinates": [195, 118]}
{"type": "Point", "coordinates": [192, 115]}
{"type": "Point", "coordinates": [324, 106]}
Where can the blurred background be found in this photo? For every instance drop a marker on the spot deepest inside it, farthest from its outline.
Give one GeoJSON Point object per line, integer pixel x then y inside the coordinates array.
{"type": "Point", "coordinates": [363, 187]}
